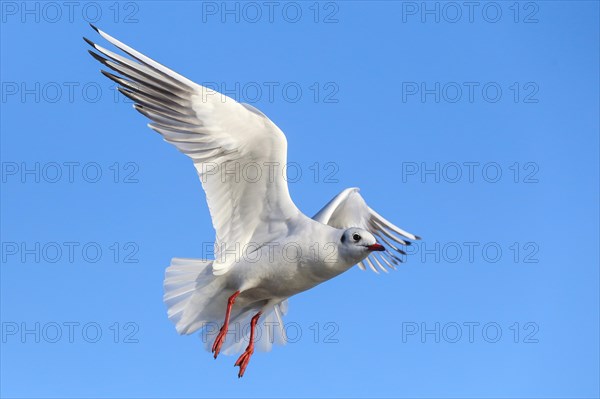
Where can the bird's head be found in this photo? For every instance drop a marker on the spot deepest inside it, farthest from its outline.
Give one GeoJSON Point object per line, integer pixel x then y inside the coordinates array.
{"type": "Point", "coordinates": [357, 244]}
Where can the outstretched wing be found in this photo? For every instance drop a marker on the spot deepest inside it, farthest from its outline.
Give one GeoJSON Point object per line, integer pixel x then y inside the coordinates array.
{"type": "Point", "coordinates": [238, 152]}
{"type": "Point", "coordinates": [349, 209]}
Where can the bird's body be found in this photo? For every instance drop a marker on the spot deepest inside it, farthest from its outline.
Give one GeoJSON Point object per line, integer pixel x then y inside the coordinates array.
{"type": "Point", "coordinates": [265, 274]}
{"type": "Point", "coordinates": [280, 269]}
{"type": "Point", "coordinates": [266, 249]}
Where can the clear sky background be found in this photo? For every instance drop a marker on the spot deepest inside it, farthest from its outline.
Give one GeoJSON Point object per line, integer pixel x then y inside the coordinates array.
{"type": "Point", "coordinates": [474, 128]}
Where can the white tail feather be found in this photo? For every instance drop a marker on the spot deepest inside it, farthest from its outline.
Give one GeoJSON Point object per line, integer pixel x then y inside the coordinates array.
{"type": "Point", "coordinates": [196, 299]}
{"type": "Point", "coordinates": [189, 288]}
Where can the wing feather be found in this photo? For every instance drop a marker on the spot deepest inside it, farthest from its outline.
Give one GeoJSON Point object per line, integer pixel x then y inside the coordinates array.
{"type": "Point", "coordinates": [220, 135]}
{"type": "Point", "coordinates": [349, 209]}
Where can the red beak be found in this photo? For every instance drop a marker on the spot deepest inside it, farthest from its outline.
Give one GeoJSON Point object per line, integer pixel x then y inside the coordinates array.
{"type": "Point", "coordinates": [376, 247]}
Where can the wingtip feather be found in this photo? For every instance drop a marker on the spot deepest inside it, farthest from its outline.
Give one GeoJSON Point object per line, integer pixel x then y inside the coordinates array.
{"type": "Point", "coordinates": [88, 41]}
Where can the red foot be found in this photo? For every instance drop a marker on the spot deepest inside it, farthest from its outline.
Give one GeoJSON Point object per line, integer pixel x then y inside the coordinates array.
{"type": "Point", "coordinates": [244, 359]}
{"type": "Point", "coordinates": [216, 348]}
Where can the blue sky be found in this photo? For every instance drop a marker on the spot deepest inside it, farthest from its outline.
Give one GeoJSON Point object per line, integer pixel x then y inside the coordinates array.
{"type": "Point", "coordinates": [476, 128]}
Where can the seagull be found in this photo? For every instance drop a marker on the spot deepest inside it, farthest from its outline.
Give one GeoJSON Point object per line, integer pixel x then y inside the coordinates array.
{"type": "Point", "coordinates": [266, 249]}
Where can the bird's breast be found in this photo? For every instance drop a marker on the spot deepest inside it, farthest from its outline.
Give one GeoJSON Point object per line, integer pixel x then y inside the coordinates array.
{"type": "Point", "coordinates": [285, 269]}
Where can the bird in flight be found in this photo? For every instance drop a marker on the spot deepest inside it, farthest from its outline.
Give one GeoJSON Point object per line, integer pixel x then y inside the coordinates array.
{"type": "Point", "coordinates": [266, 249]}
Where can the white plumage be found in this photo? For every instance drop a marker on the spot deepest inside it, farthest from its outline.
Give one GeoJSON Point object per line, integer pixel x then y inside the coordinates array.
{"type": "Point", "coordinates": [255, 220]}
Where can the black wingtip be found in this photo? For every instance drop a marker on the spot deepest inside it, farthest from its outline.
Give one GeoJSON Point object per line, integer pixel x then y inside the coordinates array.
{"type": "Point", "coordinates": [124, 91]}
{"type": "Point", "coordinates": [418, 238]}
{"type": "Point", "coordinates": [97, 57]}
{"type": "Point", "coordinates": [94, 27]}
{"type": "Point", "coordinates": [111, 76]}
{"type": "Point", "coordinates": [127, 93]}
{"type": "Point", "coordinates": [88, 41]}
{"type": "Point", "coordinates": [106, 73]}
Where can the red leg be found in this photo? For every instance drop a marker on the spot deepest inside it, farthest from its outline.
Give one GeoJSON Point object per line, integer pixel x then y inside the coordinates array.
{"type": "Point", "coordinates": [245, 358]}
{"type": "Point", "coordinates": [223, 332]}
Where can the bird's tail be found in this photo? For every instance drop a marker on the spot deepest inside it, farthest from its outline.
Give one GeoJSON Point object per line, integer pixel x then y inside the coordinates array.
{"type": "Point", "coordinates": [190, 291]}
{"type": "Point", "coordinates": [196, 299]}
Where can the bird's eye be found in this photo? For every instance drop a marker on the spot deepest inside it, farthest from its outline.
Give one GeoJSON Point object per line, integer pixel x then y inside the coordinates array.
{"type": "Point", "coordinates": [356, 237]}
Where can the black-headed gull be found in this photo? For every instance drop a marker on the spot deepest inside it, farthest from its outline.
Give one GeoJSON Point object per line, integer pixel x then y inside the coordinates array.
{"type": "Point", "coordinates": [266, 250]}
